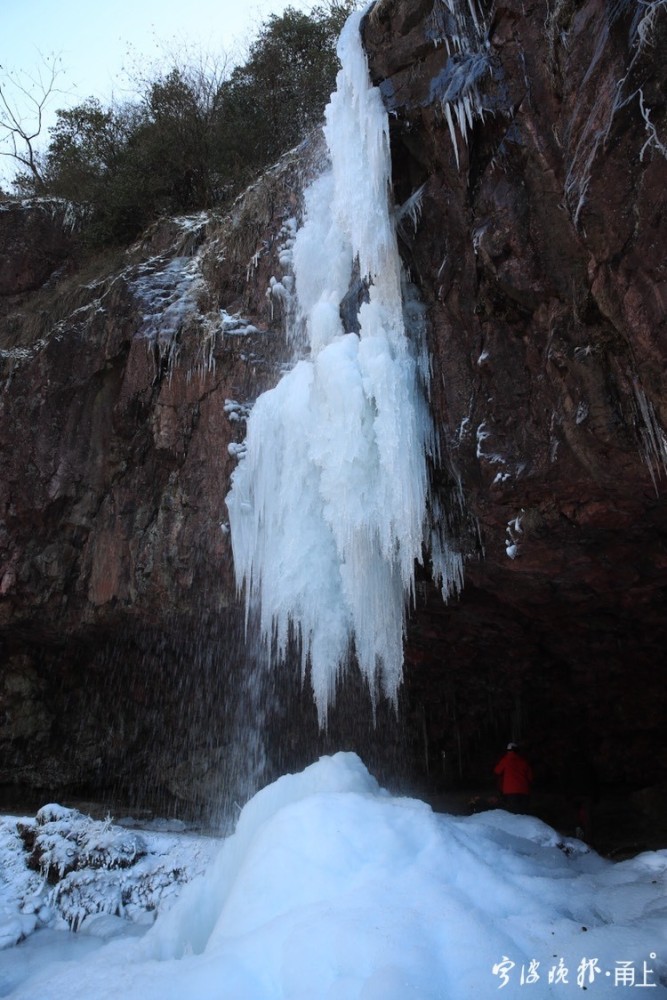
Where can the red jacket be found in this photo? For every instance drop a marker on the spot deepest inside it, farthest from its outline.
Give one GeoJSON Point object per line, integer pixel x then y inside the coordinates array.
{"type": "Point", "coordinates": [516, 774]}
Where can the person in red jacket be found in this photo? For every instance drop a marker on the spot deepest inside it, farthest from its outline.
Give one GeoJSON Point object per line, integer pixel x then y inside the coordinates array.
{"type": "Point", "coordinates": [515, 778]}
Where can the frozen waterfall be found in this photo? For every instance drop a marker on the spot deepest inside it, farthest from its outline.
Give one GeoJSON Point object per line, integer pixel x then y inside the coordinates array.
{"type": "Point", "coordinates": [328, 506]}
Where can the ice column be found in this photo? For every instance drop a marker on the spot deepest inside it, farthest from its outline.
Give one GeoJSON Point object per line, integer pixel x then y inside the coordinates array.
{"type": "Point", "coordinates": [327, 507]}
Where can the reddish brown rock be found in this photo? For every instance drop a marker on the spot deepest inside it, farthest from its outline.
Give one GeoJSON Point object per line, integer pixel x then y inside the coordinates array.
{"type": "Point", "coordinates": [120, 398]}
{"type": "Point", "coordinates": [36, 236]}
{"type": "Point", "coordinates": [540, 258]}
{"type": "Point", "coordinates": [542, 262]}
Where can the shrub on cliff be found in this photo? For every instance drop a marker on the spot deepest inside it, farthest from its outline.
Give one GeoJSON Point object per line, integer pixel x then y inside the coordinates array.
{"type": "Point", "coordinates": [195, 136]}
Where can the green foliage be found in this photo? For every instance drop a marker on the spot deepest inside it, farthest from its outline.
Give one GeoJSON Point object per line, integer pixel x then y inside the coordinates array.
{"type": "Point", "coordinates": [194, 137]}
{"type": "Point", "coordinates": [280, 93]}
{"type": "Point", "coordinates": [90, 160]}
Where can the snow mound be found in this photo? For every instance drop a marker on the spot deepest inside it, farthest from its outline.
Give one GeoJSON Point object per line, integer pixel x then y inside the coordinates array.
{"type": "Point", "coordinates": [331, 889]}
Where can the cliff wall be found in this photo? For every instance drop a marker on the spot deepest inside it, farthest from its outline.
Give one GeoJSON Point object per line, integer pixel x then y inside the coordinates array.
{"type": "Point", "coordinates": [528, 146]}
{"type": "Point", "coordinates": [528, 142]}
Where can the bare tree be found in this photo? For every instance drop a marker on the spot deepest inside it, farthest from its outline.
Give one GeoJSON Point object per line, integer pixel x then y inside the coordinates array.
{"type": "Point", "coordinates": [24, 99]}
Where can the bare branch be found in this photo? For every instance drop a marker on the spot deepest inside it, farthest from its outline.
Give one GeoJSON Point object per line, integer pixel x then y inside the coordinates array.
{"type": "Point", "coordinates": [24, 99]}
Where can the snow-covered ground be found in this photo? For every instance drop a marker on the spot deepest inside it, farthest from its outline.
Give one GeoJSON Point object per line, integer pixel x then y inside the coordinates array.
{"type": "Point", "coordinates": [69, 883]}
{"type": "Point", "coordinates": [332, 888]}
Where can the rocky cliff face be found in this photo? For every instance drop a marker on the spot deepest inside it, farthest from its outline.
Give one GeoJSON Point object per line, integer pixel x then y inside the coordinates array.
{"type": "Point", "coordinates": [37, 237]}
{"type": "Point", "coordinates": [125, 387]}
{"type": "Point", "coordinates": [528, 143]}
{"type": "Point", "coordinates": [529, 150]}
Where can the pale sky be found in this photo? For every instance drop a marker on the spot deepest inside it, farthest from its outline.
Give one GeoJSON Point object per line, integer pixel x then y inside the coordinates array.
{"type": "Point", "coordinates": [99, 41]}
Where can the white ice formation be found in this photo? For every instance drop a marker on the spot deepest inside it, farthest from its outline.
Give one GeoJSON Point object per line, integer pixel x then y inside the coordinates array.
{"type": "Point", "coordinates": [328, 504]}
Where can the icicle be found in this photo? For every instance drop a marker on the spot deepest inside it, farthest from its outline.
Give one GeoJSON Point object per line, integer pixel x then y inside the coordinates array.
{"type": "Point", "coordinates": [327, 509]}
{"type": "Point", "coordinates": [467, 107]}
{"type": "Point", "coordinates": [461, 118]}
{"type": "Point", "coordinates": [412, 208]}
{"type": "Point", "coordinates": [653, 438]}
{"type": "Point", "coordinates": [452, 132]}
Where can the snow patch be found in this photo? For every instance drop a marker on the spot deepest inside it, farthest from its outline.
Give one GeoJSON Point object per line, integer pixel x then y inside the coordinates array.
{"type": "Point", "coordinates": [234, 325]}
{"type": "Point", "coordinates": [62, 867]}
{"type": "Point", "coordinates": [513, 533]}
